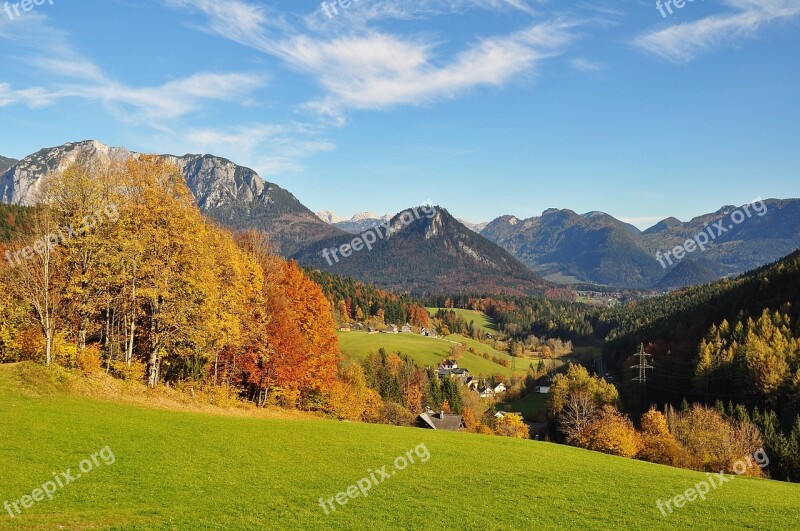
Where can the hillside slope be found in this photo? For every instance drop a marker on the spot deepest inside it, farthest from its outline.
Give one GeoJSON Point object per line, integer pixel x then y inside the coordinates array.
{"type": "Point", "coordinates": [675, 324]}
{"type": "Point", "coordinates": [177, 470]}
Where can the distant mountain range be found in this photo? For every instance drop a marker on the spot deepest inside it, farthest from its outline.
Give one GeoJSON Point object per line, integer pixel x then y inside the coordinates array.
{"type": "Point", "coordinates": [355, 225]}
{"type": "Point", "coordinates": [449, 254]}
{"type": "Point", "coordinates": [233, 195]}
{"type": "Point", "coordinates": [431, 254]}
{"type": "Point", "coordinates": [595, 247]}
{"type": "Point", "coordinates": [366, 220]}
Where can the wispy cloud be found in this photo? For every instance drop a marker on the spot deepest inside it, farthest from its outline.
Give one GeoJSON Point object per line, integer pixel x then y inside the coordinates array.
{"type": "Point", "coordinates": [378, 71]}
{"type": "Point", "coordinates": [369, 69]}
{"type": "Point", "coordinates": [70, 75]}
{"type": "Point", "coordinates": [683, 42]}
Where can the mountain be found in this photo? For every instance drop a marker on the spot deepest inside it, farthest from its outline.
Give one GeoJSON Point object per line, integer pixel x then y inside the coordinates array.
{"type": "Point", "coordinates": [233, 195]}
{"type": "Point", "coordinates": [597, 248]}
{"type": "Point", "coordinates": [427, 253]}
{"type": "Point", "coordinates": [6, 163]}
{"type": "Point", "coordinates": [687, 273]}
{"type": "Point", "coordinates": [329, 217]}
{"type": "Point", "coordinates": [474, 227]}
{"type": "Point", "coordinates": [355, 225]}
{"type": "Point", "coordinates": [590, 248]}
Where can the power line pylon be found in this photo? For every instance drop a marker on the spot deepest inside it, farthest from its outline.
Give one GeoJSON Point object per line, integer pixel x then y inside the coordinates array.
{"type": "Point", "coordinates": [643, 367]}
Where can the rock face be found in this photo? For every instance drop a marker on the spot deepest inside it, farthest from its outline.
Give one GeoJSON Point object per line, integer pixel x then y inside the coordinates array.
{"type": "Point", "coordinates": [21, 183]}
{"type": "Point", "coordinates": [233, 195]}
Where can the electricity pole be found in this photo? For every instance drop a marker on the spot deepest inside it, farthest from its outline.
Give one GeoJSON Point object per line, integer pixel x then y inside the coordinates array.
{"type": "Point", "coordinates": [643, 367]}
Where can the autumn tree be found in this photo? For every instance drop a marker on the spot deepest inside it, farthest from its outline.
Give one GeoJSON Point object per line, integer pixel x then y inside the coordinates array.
{"type": "Point", "coordinates": [611, 433]}
{"type": "Point", "coordinates": [575, 399]}
{"type": "Point", "coordinates": [659, 445]}
{"type": "Point", "coordinates": [512, 425]}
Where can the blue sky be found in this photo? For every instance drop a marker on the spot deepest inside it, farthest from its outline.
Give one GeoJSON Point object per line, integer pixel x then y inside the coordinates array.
{"type": "Point", "coordinates": [487, 107]}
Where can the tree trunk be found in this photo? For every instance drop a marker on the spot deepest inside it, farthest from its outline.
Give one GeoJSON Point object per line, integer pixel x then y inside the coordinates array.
{"type": "Point", "coordinates": [152, 369]}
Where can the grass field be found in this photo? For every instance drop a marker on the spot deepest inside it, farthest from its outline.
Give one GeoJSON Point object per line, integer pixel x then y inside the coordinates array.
{"type": "Point", "coordinates": [431, 351]}
{"type": "Point", "coordinates": [480, 319]}
{"type": "Point", "coordinates": [424, 350]}
{"type": "Point", "coordinates": [531, 407]}
{"type": "Point", "coordinates": [178, 470]}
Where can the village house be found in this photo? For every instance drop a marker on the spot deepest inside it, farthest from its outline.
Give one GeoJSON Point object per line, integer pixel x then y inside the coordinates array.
{"type": "Point", "coordinates": [489, 391]}
{"type": "Point", "coordinates": [406, 329]}
{"type": "Point", "coordinates": [392, 329]}
{"type": "Point", "coordinates": [427, 332]}
{"type": "Point", "coordinates": [440, 421]}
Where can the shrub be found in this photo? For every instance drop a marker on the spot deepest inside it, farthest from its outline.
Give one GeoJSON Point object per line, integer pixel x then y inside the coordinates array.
{"type": "Point", "coordinates": [131, 373]}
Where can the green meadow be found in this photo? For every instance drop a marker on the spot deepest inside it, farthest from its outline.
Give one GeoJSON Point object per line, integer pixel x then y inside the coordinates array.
{"type": "Point", "coordinates": [188, 470]}
{"type": "Point", "coordinates": [426, 351]}
{"type": "Point", "coordinates": [480, 319]}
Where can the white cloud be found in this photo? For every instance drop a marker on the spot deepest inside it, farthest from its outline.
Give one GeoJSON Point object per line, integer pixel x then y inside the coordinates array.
{"type": "Point", "coordinates": [683, 42]}
{"type": "Point", "coordinates": [377, 71]}
{"type": "Point", "coordinates": [368, 69]}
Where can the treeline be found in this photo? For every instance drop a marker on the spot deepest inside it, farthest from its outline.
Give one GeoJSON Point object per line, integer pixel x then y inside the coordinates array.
{"type": "Point", "coordinates": [118, 271]}
{"type": "Point", "coordinates": [13, 220]}
{"type": "Point", "coordinates": [520, 317]}
{"type": "Point", "coordinates": [356, 301]}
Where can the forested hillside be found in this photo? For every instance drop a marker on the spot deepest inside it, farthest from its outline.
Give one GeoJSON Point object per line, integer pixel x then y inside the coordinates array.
{"type": "Point", "coordinates": [13, 219]}
{"type": "Point", "coordinates": [731, 340]}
